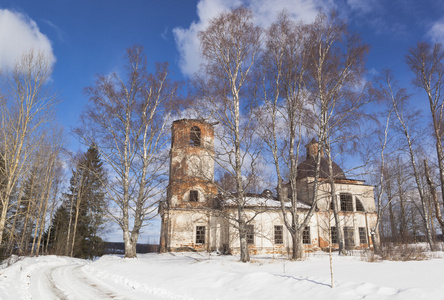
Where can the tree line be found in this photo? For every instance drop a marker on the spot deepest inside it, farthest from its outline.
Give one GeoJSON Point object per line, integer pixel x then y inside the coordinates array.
{"type": "Point", "coordinates": [271, 90]}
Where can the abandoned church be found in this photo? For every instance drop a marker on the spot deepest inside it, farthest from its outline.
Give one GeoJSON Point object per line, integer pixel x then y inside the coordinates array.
{"type": "Point", "coordinates": [190, 217]}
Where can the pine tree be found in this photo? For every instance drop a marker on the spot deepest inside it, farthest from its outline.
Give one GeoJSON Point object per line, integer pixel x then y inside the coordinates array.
{"type": "Point", "coordinates": [27, 210]}
{"type": "Point", "coordinates": [59, 230]}
{"type": "Point", "coordinates": [79, 221]}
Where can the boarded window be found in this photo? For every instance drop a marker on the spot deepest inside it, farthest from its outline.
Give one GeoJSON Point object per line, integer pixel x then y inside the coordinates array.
{"type": "Point", "coordinates": [362, 236]}
{"type": "Point", "coordinates": [279, 234]}
{"type": "Point", "coordinates": [194, 196]}
{"type": "Point", "coordinates": [200, 234]}
{"type": "Point", "coordinates": [359, 206]}
{"type": "Point", "coordinates": [346, 202]}
{"type": "Point", "coordinates": [334, 235]}
{"type": "Point", "coordinates": [306, 239]}
{"type": "Point", "coordinates": [195, 136]}
{"type": "Point", "coordinates": [349, 237]}
{"type": "Point", "coordinates": [250, 234]}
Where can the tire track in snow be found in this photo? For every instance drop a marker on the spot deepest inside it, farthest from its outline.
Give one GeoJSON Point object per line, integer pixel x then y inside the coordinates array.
{"type": "Point", "coordinates": [53, 288]}
{"type": "Point", "coordinates": [158, 293]}
{"type": "Point", "coordinates": [71, 281]}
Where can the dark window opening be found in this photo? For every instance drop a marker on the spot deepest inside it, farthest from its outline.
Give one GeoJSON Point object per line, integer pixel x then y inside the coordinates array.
{"type": "Point", "coordinates": [306, 239]}
{"type": "Point", "coordinates": [279, 234]}
{"type": "Point", "coordinates": [349, 237]}
{"type": "Point", "coordinates": [359, 206]}
{"type": "Point", "coordinates": [334, 235]}
{"type": "Point", "coordinates": [195, 136]}
{"type": "Point", "coordinates": [346, 202]}
{"type": "Point", "coordinates": [250, 234]}
{"type": "Point", "coordinates": [362, 236]}
{"type": "Point", "coordinates": [289, 191]}
{"type": "Point", "coordinates": [194, 196]}
{"type": "Point", "coordinates": [200, 234]}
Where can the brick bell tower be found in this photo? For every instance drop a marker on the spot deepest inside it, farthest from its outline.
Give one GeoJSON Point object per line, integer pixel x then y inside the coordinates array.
{"type": "Point", "coordinates": [191, 181]}
{"type": "Point", "coordinates": [191, 164]}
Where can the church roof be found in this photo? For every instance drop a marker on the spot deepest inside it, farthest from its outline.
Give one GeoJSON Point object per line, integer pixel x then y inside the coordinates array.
{"type": "Point", "coordinates": [260, 201]}
{"type": "Point", "coordinates": [307, 168]}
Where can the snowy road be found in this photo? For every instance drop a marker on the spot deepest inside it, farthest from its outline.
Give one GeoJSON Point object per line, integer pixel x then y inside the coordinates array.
{"type": "Point", "coordinates": [65, 278]}
{"type": "Point", "coordinates": [71, 282]}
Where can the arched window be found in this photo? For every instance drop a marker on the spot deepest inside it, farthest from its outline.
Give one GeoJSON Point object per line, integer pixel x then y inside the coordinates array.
{"type": "Point", "coordinates": [359, 206]}
{"type": "Point", "coordinates": [195, 136]}
{"type": "Point", "coordinates": [346, 202]}
{"type": "Point", "coordinates": [194, 196]}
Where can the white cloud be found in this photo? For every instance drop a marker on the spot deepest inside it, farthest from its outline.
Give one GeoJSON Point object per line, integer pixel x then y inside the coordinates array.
{"type": "Point", "coordinates": [19, 34]}
{"type": "Point", "coordinates": [304, 10]}
{"type": "Point", "coordinates": [186, 38]}
{"type": "Point", "coordinates": [363, 6]}
{"type": "Point", "coordinates": [436, 33]}
{"type": "Point", "coordinates": [265, 12]}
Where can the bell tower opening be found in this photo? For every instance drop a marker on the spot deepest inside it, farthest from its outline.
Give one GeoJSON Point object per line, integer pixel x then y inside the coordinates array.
{"type": "Point", "coordinates": [194, 196]}
{"type": "Point", "coordinates": [195, 136]}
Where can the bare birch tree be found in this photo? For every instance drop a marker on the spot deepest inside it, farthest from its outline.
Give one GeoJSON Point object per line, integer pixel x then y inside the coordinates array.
{"type": "Point", "coordinates": [283, 116]}
{"type": "Point", "coordinates": [433, 194]}
{"type": "Point", "coordinates": [337, 64]}
{"type": "Point", "coordinates": [407, 124]}
{"type": "Point", "coordinates": [126, 120]}
{"type": "Point", "coordinates": [427, 63]}
{"type": "Point", "coordinates": [26, 107]}
{"type": "Point", "coordinates": [385, 92]}
{"type": "Point", "coordinates": [230, 47]}
{"type": "Point", "coordinates": [28, 210]}
{"type": "Point", "coordinates": [50, 164]}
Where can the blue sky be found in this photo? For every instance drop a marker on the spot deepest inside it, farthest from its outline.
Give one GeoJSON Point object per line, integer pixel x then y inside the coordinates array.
{"type": "Point", "coordinates": [90, 36]}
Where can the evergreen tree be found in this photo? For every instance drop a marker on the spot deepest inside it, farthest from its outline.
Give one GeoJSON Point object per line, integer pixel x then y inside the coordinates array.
{"type": "Point", "coordinates": [79, 221]}
{"type": "Point", "coordinates": [26, 211]}
{"type": "Point", "coordinates": [58, 230]}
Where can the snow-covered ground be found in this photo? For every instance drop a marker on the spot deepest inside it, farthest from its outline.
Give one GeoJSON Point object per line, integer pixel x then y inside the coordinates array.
{"type": "Point", "coordinates": [204, 276]}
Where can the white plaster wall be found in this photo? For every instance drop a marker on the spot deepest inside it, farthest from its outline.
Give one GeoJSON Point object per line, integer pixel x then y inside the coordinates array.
{"type": "Point", "coordinates": [219, 232]}
{"type": "Point", "coordinates": [264, 232]}
{"type": "Point", "coordinates": [363, 192]}
{"type": "Point", "coordinates": [183, 227]}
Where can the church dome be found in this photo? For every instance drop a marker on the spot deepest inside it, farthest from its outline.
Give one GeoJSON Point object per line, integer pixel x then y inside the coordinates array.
{"type": "Point", "coordinates": [307, 168]}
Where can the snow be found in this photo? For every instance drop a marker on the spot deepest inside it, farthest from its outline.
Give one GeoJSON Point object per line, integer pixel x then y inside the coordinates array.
{"type": "Point", "coordinates": [209, 276]}
{"type": "Point", "coordinates": [264, 202]}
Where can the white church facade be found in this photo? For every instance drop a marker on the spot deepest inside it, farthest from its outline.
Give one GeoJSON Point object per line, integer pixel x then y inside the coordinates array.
{"type": "Point", "coordinates": [192, 217]}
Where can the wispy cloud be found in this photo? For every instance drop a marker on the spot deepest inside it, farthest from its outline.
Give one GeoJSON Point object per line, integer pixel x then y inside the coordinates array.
{"type": "Point", "coordinates": [164, 34]}
{"type": "Point", "coordinates": [363, 6]}
{"type": "Point", "coordinates": [19, 34]}
{"type": "Point", "coordinates": [436, 32]}
{"type": "Point", "coordinates": [60, 33]}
